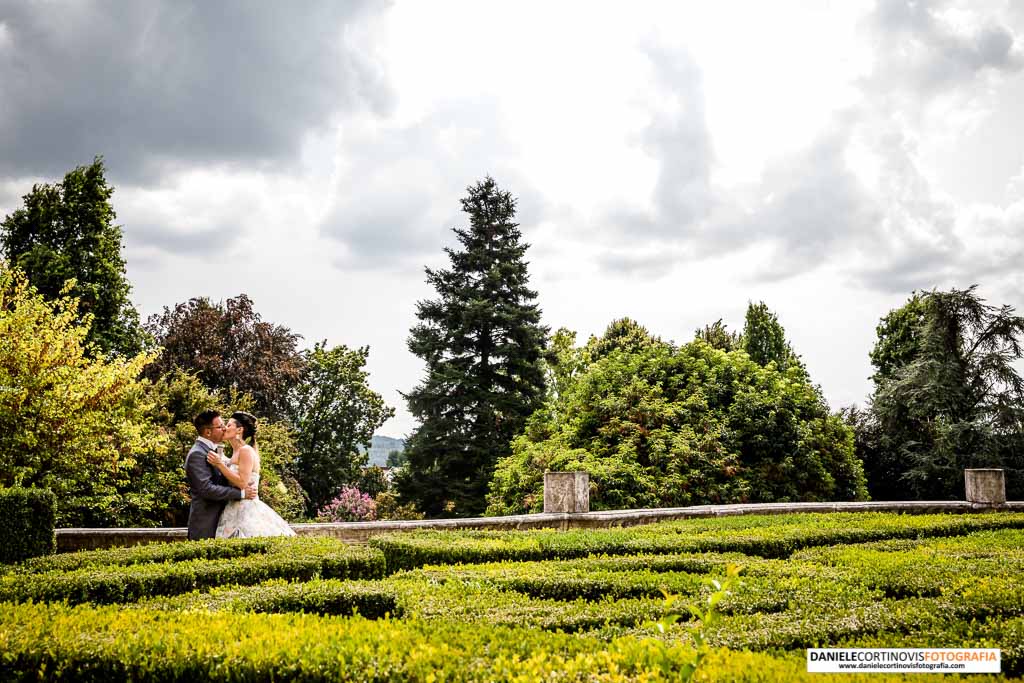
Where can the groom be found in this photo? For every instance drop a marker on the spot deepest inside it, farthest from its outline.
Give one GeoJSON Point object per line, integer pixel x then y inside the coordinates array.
{"type": "Point", "coordinates": [208, 487]}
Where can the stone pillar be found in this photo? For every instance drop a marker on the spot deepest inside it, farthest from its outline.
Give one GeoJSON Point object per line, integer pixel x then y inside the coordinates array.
{"type": "Point", "coordinates": [566, 492]}
{"type": "Point", "coordinates": [986, 486]}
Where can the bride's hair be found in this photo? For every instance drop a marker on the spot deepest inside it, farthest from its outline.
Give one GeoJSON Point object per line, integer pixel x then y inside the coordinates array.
{"type": "Point", "coordinates": [248, 424]}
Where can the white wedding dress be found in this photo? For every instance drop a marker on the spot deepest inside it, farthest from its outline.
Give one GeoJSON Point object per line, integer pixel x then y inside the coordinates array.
{"type": "Point", "coordinates": [251, 517]}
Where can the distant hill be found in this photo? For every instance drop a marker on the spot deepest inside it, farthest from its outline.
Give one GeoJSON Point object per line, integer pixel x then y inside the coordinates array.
{"type": "Point", "coordinates": [380, 446]}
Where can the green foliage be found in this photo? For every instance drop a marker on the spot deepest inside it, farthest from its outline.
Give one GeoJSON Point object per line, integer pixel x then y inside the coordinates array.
{"type": "Point", "coordinates": [27, 531]}
{"type": "Point", "coordinates": [776, 536]}
{"type": "Point", "coordinates": [230, 348]}
{"type": "Point", "coordinates": [583, 619]}
{"type": "Point", "coordinates": [369, 599]}
{"type": "Point", "coordinates": [717, 336]}
{"type": "Point", "coordinates": [947, 396]}
{"type": "Point", "coordinates": [66, 232]}
{"type": "Point", "coordinates": [75, 645]}
{"type": "Point", "coordinates": [207, 549]}
{"type": "Point", "coordinates": [391, 507]}
{"type": "Point", "coordinates": [373, 481]}
{"type": "Point", "coordinates": [396, 458]}
{"type": "Point", "coordinates": [706, 618]}
{"type": "Point", "coordinates": [625, 335]}
{"type": "Point", "coordinates": [666, 426]}
{"type": "Point", "coordinates": [333, 411]}
{"type": "Point", "coordinates": [482, 342]}
{"type": "Point", "coordinates": [764, 340]}
{"type": "Point", "coordinates": [71, 423]}
{"type": "Point", "coordinates": [899, 338]}
{"type": "Point", "coordinates": [298, 559]}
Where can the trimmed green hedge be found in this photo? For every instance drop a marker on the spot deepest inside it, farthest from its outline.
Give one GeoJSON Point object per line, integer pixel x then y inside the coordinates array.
{"type": "Point", "coordinates": [370, 599]}
{"type": "Point", "coordinates": [29, 516]}
{"type": "Point", "coordinates": [58, 643]}
{"type": "Point", "coordinates": [209, 549]}
{"type": "Point", "coordinates": [773, 587]}
{"type": "Point", "coordinates": [768, 536]}
{"type": "Point", "coordinates": [320, 558]}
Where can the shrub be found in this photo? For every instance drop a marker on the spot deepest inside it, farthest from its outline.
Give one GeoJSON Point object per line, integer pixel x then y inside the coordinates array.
{"type": "Point", "coordinates": [59, 643]}
{"type": "Point", "coordinates": [351, 505]}
{"type": "Point", "coordinates": [370, 599]}
{"type": "Point", "coordinates": [663, 426]}
{"type": "Point", "coordinates": [27, 531]}
{"type": "Point", "coordinates": [114, 584]}
{"type": "Point", "coordinates": [769, 536]}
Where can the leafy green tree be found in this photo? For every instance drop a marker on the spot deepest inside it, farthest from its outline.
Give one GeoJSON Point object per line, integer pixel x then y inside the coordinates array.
{"type": "Point", "coordinates": [623, 334]}
{"type": "Point", "coordinates": [70, 423]}
{"type": "Point", "coordinates": [373, 481]}
{"type": "Point", "coordinates": [333, 411]}
{"type": "Point", "coordinates": [764, 340]}
{"type": "Point", "coordinates": [718, 336]}
{"type": "Point", "coordinates": [482, 342]}
{"type": "Point", "coordinates": [66, 232]}
{"type": "Point", "coordinates": [947, 395]}
{"type": "Point", "coordinates": [564, 361]}
{"type": "Point", "coordinates": [396, 458]}
{"type": "Point", "coordinates": [666, 426]}
{"type": "Point", "coordinates": [230, 348]}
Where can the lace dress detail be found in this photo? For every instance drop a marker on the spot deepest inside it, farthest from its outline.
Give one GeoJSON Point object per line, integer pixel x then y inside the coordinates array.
{"type": "Point", "coordinates": [251, 518]}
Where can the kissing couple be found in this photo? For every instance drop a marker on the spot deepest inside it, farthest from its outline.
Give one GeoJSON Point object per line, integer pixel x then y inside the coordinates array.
{"type": "Point", "coordinates": [224, 491]}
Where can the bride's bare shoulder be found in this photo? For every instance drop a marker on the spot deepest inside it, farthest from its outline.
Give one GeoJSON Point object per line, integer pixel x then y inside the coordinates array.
{"type": "Point", "coordinates": [247, 451]}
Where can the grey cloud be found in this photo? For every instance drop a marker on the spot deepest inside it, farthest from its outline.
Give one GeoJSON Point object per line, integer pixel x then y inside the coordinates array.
{"type": "Point", "coordinates": [922, 268]}
{"type": "Point", "coordinates": [154, 83]}
{"type": "Point", "coordinates": [812, 209]}
{"type": "Point", "coordinates": [677, 138]}
{"type": "Point", "coordinates": [814, 206]}
{"type": "Point", "coordinates": [918, 50]}
{"type": "Point", "coordinates": [637, 263]}
{"type": "Point", "coordinates": [196, 241]}
{"type": "Point", "coordinates": [400, 200]}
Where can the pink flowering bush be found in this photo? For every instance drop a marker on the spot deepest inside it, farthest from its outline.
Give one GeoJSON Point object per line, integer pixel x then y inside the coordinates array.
{"type": "Point", "coordinates": [351, 505]}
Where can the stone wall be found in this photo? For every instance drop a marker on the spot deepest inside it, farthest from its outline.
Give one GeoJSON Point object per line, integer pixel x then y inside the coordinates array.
{"type": "Point", "coordinates": [359, 532]}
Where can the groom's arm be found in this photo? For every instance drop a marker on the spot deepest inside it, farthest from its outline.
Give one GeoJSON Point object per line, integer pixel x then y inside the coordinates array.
{"type": "Point", "coordinates": [201, 479]}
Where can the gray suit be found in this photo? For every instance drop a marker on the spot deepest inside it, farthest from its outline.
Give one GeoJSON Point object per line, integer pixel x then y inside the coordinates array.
{"type": "Point", "coordinates": [210, 493]}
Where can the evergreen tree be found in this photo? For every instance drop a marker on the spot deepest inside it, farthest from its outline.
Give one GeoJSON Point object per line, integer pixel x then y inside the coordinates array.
{"type": "Point", "coordinates": [947, 396]}
{"type": "Point", "coordinates": [66, 231]}
{"type": "Point", "coordinates": [718, 336]}
{"type": "Point", "coordinates": [482, 342]}
{"type": "Point", "coordinates": [764, 340]}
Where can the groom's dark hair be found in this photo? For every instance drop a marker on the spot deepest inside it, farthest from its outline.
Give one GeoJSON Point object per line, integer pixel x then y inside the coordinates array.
{"type": "Point", "coordinates": [204, 419]}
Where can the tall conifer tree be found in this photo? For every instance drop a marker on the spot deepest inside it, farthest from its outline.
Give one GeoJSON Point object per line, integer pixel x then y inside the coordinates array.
{"type": "Point", "coordinates": [482, 342]}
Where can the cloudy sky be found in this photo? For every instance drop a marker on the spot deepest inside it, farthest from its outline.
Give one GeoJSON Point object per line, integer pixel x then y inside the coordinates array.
{"type": "Point", "coordinates": [672, 161]}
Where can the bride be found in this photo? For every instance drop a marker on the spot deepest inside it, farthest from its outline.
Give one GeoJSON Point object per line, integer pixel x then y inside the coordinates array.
{"type": "Point", "coordinates": [245, 518]}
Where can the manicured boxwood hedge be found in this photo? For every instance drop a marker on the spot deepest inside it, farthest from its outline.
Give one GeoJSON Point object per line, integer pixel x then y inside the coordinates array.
{"type": "Point", "coordinates": [370, 599]}
{"type": "Point", "coordinates": [320, 558]}
{"type": "Point", "coordinates": [28, 518]}
{"type": "Point", "coordinates": [210, 549]}
{"type": "Point", "coordinates": [58, 643]}
{"type": "Point", "coordinates": [918, 581]}
{"type": "Point", "coordinates": [769, 536]}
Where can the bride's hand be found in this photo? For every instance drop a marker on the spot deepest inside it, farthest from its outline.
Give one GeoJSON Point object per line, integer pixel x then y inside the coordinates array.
{"type": "Point", "coordinates": [213, 457]}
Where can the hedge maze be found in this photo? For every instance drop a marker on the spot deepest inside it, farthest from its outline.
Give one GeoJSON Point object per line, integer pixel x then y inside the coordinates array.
{"type": "Point", "coordinates": [520, 606]}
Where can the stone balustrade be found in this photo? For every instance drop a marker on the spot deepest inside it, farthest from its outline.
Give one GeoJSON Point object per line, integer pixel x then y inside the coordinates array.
{"type": "Point", "coordinates": [567, 505]}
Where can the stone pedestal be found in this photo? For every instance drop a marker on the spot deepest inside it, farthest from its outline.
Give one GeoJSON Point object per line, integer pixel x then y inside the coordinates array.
{"type": "Point", "coordinates": [566, 492]}
{"type": "Point", "coordinates": [986, 486]}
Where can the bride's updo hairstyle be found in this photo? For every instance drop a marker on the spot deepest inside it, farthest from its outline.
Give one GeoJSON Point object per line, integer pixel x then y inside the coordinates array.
{"type": "Point", "coordinates": [248, 423]}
